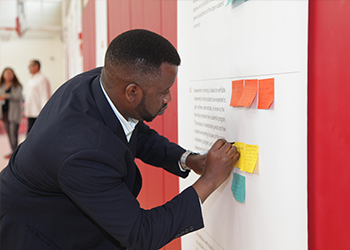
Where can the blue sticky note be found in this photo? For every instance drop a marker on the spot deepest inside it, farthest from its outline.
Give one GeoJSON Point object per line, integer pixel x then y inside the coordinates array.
{"type": "Point", "coordinates": [238, 187]}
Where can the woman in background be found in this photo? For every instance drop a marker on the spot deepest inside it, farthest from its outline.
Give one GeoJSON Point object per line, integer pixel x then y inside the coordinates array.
{"type": "Point", "coordinates": [11, 105]}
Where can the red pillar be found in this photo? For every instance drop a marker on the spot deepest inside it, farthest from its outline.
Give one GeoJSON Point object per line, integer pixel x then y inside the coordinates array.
{"type": "Point", "coordinates": [160, 17]}
{"type": "Point", "coordinates": [89, 36]}
{"type": "Point", "coordinates": [328, 125]}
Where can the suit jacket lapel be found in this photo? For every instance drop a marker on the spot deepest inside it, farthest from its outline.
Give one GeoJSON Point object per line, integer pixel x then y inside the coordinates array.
{"type": "Point", "coordinates": [133, 180]}
{"type": "Point", "coordinates": [138, 178]}
{"type": "Point", "coordinates": [106, 111]}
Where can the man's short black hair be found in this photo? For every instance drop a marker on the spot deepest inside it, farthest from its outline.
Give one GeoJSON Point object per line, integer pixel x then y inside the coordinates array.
{"type": "Point", "coordinates": [37, 62]}
{"type": "Point", "coordinates": [143, 49]}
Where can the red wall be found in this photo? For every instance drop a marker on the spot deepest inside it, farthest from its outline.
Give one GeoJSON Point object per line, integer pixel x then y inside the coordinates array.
{"type": "Point", "coordinates": [89, 36]}
{"type": "Point", "coordinates": [328, 125]}
{"type": "Point", "coordinates": [160, 17]}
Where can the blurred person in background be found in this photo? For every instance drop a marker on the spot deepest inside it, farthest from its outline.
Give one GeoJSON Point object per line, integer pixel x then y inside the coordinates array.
{"type": "Point", "coordinates": [11, 105]}
{"type": "Point", "coordinates": [38, 93]}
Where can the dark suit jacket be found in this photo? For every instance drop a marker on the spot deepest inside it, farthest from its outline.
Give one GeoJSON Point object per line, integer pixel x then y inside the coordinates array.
{"type": "Point", "coordinates": [73, 183]}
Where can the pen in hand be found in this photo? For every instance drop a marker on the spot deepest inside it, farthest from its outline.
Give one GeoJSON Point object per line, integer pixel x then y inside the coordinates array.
{"type": "Point", "coordinates": [206, 151]}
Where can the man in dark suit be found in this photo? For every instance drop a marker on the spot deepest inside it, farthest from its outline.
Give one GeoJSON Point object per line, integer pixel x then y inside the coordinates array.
{"type": "Point", "coordinates": [73, 183]}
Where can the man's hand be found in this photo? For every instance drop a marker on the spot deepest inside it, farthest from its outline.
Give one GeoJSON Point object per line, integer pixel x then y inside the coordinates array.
{"type": "Point", "coordinates": [196, 162]}
{"type": "Point", "coordinates": [219, 164]}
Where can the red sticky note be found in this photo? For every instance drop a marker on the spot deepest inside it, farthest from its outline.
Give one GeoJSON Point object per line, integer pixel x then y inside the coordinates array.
{"type": "Point", "coordinates": [237, 89]}
{"type": "Point", "coordinates": [266, 93]}
{"type": "Point", "coordinates": [249, 93]}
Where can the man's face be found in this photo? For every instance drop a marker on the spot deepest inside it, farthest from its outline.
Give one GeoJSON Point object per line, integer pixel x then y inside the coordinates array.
{"type": "Point", "coordinates": [156, 98]}
{"type": "Point", "coordinates": [33, 68]}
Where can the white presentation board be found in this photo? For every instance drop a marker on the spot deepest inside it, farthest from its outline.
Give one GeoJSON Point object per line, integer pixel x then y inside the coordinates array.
{"type": "Point", "coordinates": [220, 42]}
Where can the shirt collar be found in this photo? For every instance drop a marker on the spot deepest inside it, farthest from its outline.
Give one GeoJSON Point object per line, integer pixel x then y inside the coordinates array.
{"type": "Point", "coordinates": [127, 125]}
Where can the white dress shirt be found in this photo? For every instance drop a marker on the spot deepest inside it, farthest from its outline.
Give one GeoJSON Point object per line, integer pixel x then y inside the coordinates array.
{"type": "Point", "coordinates": [38, 93]}
{"type": "Point", "coordinates": [128, 125]}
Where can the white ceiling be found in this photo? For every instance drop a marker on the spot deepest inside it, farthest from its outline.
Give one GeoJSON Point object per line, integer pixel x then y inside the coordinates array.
{"type": "Point", "coordinates": [41, 18]}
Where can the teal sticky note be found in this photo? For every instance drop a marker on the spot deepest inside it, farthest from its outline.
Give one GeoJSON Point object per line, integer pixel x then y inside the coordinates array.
{"type": "Point", "coordinates": [238, 187]}
{"type": "Point", "coordinates": [229, 1]}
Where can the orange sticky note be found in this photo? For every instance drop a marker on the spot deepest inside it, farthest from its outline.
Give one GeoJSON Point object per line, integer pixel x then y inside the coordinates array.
{"type": "Point", "coordinates": [237, 89]}
{"type": "Point", "coordinates": [266, 93]}
{"type": "Point", "coordinates": [249, 93]}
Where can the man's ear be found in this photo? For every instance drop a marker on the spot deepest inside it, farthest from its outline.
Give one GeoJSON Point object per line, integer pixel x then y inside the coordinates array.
{"type": "Point", "coordinates": [132, 92]}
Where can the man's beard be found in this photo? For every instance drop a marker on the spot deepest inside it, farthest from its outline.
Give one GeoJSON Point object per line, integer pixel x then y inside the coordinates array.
{"type": "Point", "coordinates": [142, 111]}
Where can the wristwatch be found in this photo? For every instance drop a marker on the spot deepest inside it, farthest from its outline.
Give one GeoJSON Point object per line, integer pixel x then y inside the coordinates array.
{"type": "Point", "coordinates": [183, 159]}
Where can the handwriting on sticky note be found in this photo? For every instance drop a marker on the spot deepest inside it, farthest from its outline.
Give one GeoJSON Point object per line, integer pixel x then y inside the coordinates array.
{"type": "Point", "coordinates": [238, 187]}
{"type": "Point", "coordinates": [248, 156]}
{"type": "Point", "coordinates": [240, 148]}
{"type": "Point", "coordinates": [266, 93]}
{"type": "Point", "coordinates": [249, 93]}
{"type": "Point", "coordinates": [237, 89]}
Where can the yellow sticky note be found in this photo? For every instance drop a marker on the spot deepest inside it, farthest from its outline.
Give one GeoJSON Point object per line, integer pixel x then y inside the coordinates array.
{"type": "Point", "coordinates": [250, 158]}
{"type": "Point", "coordinates": [240, 148]}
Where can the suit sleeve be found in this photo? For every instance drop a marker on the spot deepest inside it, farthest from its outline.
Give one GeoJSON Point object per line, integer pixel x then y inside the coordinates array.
{"type": "Point", "coordinates": [94, 181]}
{"type": "Point", "coordinates": [158, 151]}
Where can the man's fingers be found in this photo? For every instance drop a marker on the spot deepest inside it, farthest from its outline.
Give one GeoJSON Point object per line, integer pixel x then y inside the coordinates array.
{"type": "Point", "coordinates": [219, 144]}
{"type": "Point", "coordinates": [233, 149]}
{"type": "Point", "coordinates": [224, 146]}
{"type": "Point", "coordinates": [235, 157]}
